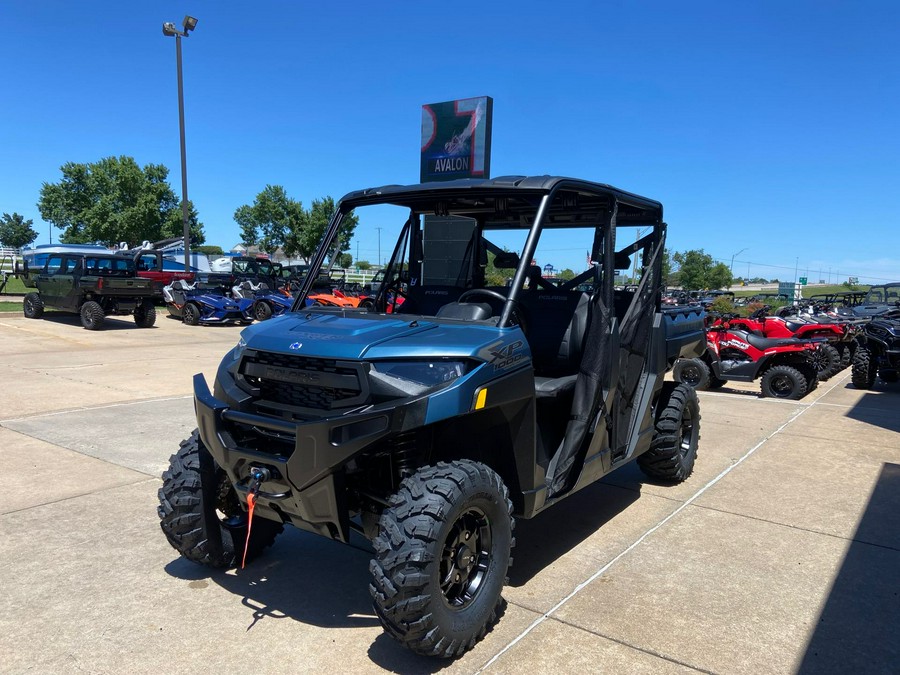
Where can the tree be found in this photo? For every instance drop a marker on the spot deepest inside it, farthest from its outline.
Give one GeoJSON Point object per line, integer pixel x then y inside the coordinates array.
{"type": "Point", "coordinates": [566, 274]}
{"type": "Point", "coordinates": [697, 270]}
{"type": "Point", "coordinates": [15, 231]}
{"type": "Point", "coordinates": [209, 250]}
{"type": "Point", "coordinates": [494, 276]}
{"type": "Point", "coordinates": [305, 241]}
{"type": "Point", "coordinates": [346, 260]}
{"type": "Point", "coordinates": [270, 220]}
{"type": "Point", "coordinates": [115, 200]}
{"type": "Point", "coordinates": [364, 264]}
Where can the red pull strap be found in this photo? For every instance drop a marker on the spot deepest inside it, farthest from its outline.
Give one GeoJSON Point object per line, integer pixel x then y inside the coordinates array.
{"type": "Point", "coordinates": [251, 502]}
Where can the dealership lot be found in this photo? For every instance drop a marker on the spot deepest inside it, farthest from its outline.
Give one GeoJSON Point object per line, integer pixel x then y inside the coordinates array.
{"type": "Point", "coordinates": [780, 554]}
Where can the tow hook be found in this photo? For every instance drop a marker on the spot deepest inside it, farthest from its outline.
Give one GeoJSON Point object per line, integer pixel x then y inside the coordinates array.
{"type": "Point", "coordinates": [258, 475]}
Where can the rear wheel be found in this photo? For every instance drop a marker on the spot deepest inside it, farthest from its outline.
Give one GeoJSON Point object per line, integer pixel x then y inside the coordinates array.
{"type": "Point", "coordinates": [190, 314]}
{"type": "Point", "coordinates": [692, 372]}
{"type": "Point", "coordinates": [182, 519]}
{"type": "Point", "coordinates": [33, 306]}
{"type": "Point", "coordinates": [862, 374]}
{"type": "Point", "coordinates": [827, 360]}
{"type": "Point", "coordinates": [846, 354]}
{"type": "Point", "coordinates": [716, 382]}
{"type": "Point", "coordinates": [442, 553]}
{"type": "Point", "coordinates": [784, 382]}
{"type": "Point", "coordinates": [673, 449]}
{"type": "Point", "coordinates": [145, 314]}
{"type": "Point", "coordinates": [92, 315]}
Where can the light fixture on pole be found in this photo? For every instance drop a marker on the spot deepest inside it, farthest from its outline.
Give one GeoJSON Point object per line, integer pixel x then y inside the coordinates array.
{"type": "Point", "coordinates": [735, 255]}
{"type": "Point", "coordinates": [189, 24]}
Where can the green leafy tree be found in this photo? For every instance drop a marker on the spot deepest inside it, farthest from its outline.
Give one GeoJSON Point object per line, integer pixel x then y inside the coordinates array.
{"type": "Point", "coordinates": [270, 220]}
{"type": "Point", "coordinates": [346, 260]}
{"type": "Point", "coordinates": [115, 200]}
{"type": "Point", "coordinates": [209, 250]}
{"type": "Point", "coordinates": [305, 241]}
{"type": "Point", "coordinates": [697, 270]}
{"type": "Point", "coordinates": [15, 231]}
{"type": "Point", "coordinates": [494, 276]}
{"type": "Point", "coordinates": [364, 264]}
{"type": "Point", "coordinates": [566, 274]}
{"type": "Point", "coordinates": [174, 225]}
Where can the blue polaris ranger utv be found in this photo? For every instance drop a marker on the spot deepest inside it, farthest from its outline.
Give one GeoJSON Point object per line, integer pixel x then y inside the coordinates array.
{"type": "Point", "coordinates": [481, 386]}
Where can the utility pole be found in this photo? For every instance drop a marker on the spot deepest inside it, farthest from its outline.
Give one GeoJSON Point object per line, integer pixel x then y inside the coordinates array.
{"type": "Point", "coordinates": [379, 245]}
{"type": "Point", "coordinates": [796, 267]}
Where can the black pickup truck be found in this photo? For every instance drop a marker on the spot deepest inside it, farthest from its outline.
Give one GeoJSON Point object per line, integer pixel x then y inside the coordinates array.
{"type": "Point", "coordinates": [93, 286]}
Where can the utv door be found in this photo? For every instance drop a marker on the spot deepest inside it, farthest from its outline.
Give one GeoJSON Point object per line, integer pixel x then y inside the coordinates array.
{"type": "Point", "coordinates": [48, 281]}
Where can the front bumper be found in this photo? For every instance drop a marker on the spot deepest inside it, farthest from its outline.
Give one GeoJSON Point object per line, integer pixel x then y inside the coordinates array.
{"type": "Point", "coordinates": [307, 470]}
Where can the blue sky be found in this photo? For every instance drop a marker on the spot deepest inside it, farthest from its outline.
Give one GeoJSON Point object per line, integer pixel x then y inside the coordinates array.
{"type": "Point", "coordinates": [770, 126]}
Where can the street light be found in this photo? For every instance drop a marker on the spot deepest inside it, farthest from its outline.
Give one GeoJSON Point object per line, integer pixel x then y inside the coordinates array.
{"type": "Point", "coordinates": [189, 24]}
{"type": "Point", "coordinates": [735, 255]}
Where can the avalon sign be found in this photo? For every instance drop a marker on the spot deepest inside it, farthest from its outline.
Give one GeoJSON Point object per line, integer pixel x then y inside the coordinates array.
{"type": "Point", "coordinates": [456, 139]}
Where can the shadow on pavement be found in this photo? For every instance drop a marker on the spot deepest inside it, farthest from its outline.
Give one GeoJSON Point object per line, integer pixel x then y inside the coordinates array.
{"type": "Point", "coordinates": [315, 581]}
{"type": "Point", "coordinates": [879, 409]}
{"type": "Point", "coordinates": [857, 629]}
{"type": "Point", "coordinates": [551, 534]}
{"type": "Point", "coordinates": [111, 322]}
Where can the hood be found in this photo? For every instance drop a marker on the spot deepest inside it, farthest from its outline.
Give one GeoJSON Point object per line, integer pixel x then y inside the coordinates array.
{"type": "Point", "coordinates": [368, 336]}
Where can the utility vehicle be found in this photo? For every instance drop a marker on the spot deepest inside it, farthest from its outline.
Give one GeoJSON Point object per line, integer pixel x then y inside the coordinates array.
{"type": "Point", "coordinates": [427, 429]}
{"type": "Point", "coordinates": [203, 303]}
{"type": "Point", "coordinates": [878, 351]}
{"type": "Point", "coordinates": [92, 285]}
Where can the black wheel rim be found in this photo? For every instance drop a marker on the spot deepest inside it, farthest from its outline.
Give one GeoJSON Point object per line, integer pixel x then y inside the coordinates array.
{"type": "Point", "coordinates": [29, 306]}
{"type": "Point", "coordinates": [782, 385]}
{"type": "Point", "coordinates": [262, 312]}
{"type": "Point", "coordinates": [687, 431]}
{"type": "Point", "coordinates": [189, 314]}
{"type": "Point", "coordinates": [690, 375]}
{"type": "Point", "coordinates": [465, 558]}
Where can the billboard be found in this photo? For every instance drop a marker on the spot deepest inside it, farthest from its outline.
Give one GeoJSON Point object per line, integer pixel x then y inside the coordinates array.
{"type": "Point", "coordinates": [456, 139]}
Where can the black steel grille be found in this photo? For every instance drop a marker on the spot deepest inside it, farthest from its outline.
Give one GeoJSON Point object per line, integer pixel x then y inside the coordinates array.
{"type": "Point", "coordinates": [302, 381]}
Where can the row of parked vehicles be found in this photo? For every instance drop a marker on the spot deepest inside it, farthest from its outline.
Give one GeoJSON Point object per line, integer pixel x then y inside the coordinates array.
{"type": "Point", "coordinates": [793, 349]}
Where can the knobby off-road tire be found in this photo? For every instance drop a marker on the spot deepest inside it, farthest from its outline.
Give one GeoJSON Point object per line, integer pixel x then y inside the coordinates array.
{"type": "Point", "coordinates": [442, 554]}
{"type": "Point", "coordinates": [784, 382]}
{"type": "Point", "coordinates": [846, 354]}
{"type": "Point", "coordinates": [673, 449]}
{"type": "Point", "coordinates": [92, 315]}
{"type": "Point", "coordinates": [862, 373]}
{"type": "Point", "coordinates": [33, 306]}
{"type": "Point", "coordinates": [181, 512]}
{"type": "Point", "coordinates": [716, 382]}
{"type": "Point", "coordinates": [145, 314]}
{"type": "Point", "coordinates": [827, 360]}
{"type": "Point", "coordinates": [262, 311]}
{"type": "Point", "coordinates": [692, 372]}
{"type": "Point", "coordinates": [190, 314]}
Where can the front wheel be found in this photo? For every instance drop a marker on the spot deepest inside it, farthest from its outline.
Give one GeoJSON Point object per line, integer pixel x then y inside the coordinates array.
{"type": "Point", "coordinates": [784, 382]}
{"type": "Point", "coordinates": [442, 553]}
{"type": "Point", "coordinates": [862, 373]}
{"type": "Point", "coordinates": [262, 311]}
{"type": "Point", "coordinates": [182, 517]}
{"type": "Point", "coordinates": [827, 360]}
{"type": "Point", "coordinates": [673, 449]}
{"type": "Point", "coordinates": [33, 306]}
{"type": "Point", "coordinates": [190, 314]}
{"type": "Point", "coordinates": [92, 315]}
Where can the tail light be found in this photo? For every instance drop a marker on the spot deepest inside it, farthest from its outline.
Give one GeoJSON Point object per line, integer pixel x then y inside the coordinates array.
{"type": "Point", "coordinates": [100, 284]}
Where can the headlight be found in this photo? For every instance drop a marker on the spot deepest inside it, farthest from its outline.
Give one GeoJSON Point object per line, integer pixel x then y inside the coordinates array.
{"type": "Point", "coordinates": [409, 378]}
{"type": "Point", "coordinates": [238, 349]}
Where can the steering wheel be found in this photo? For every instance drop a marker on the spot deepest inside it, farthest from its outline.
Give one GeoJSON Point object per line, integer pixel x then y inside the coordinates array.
{"type": "Point", "coordinates": [519, 318]}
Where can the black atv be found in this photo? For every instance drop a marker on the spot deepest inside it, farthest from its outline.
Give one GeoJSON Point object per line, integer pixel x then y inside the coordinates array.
{"type": "Point", "coordinates": [426, 422]}
{"type": "Point", "coordinates": [878, 352]}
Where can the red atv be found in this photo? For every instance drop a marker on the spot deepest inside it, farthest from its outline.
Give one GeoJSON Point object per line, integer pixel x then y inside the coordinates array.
{"type": "Point", "coordinates": [786, 366]}
{"type": "Point", "coordinates": [833, 354]}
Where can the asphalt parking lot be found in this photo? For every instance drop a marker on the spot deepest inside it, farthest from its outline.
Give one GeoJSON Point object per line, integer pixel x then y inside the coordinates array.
{"type": "Point", "coordinates": [780, 554]}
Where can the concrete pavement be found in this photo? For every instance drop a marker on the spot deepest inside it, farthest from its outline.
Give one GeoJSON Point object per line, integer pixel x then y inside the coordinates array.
{"type": "Point", "coordinates": [780, 554]}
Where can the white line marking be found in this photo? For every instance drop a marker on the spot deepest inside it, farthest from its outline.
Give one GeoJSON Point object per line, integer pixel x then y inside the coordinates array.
{"type": "Point", "coordinates": [546, 615]}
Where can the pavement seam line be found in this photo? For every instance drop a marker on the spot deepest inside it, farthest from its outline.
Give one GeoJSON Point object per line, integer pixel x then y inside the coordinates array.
{"type": "Point", "coordinates": [98, 407]}
{"type": "Point", "coordinates": [797, 527]}
{"type": "Point", "coordinates": [83, 494]}
{"type": "Point", "coordinates": [546, 615]}
{"type": "Point", "coordinates": [650, 652]}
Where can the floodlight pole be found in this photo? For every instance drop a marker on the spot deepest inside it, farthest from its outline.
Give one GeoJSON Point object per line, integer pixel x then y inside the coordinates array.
{"type": "Point", "coordinates": [733, 256]}
{"type": "Point", "coordinates": [169, 29]}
